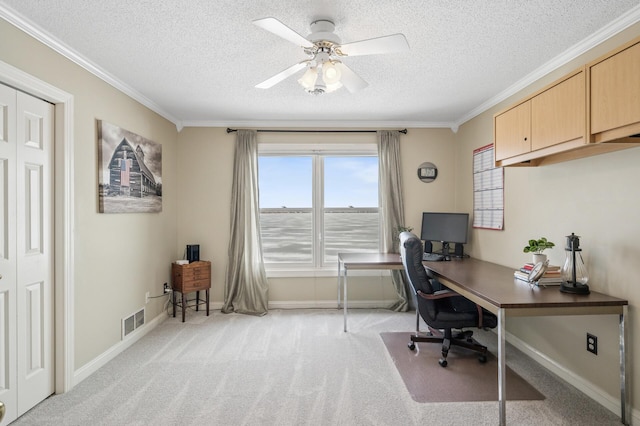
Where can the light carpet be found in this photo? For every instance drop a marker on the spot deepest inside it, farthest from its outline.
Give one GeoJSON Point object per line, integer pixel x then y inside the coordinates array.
{"type": "Point", "coordinates": [290, 367]}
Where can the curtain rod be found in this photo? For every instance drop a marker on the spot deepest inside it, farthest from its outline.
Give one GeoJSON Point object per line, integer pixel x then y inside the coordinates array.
{"type": "Point", "coordinates": [314, 131]}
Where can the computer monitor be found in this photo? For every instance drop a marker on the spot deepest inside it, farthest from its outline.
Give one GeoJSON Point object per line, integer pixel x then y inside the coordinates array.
{"type": "Point", "coordinates": [447, 228]}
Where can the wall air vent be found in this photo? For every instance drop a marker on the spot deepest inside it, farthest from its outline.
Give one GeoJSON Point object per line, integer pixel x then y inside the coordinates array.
{"type": "Point", "coordinates": [132, 323]}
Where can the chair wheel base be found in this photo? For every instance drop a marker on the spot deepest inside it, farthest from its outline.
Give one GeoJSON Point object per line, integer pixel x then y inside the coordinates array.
{"type": "Point", "coordinates": [412, 346]}
{"type": "Point", "coordinates": [482, 359]}
{"type": "Point", "coordinates": [442, 362]}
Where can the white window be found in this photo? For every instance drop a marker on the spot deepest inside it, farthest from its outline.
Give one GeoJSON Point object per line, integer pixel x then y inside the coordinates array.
{"type": "Point", "coordinates": [315, 204]}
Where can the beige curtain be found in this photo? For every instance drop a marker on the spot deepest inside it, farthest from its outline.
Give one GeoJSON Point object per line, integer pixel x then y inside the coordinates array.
{"type": "Point", "coordinates": [246, 286]}
{"type": "Point", "coordinates": [391, 205]}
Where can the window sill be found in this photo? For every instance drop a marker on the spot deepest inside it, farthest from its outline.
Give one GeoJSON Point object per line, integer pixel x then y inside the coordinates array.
{"type": "Point", "coordinates": [321, 273]}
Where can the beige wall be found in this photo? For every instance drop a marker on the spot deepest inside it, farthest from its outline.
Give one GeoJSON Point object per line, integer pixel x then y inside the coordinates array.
{"type": "Point", "coordinates": [205, 159]}
{"type": "Point", "coordinates": [597, 198]}
{"type": "Point", "coordinates": [118, 257]}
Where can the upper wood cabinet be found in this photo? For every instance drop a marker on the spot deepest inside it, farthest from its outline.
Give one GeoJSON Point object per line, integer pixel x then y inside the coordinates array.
{"type": "Point", "coordinates": [553, 116]}
{"type": "Point", "coordinates": [615, 94]}
{"type": "Point", "coordinates": [593, 110]}
{"type": "Point", "coordinates": [558, 114]}
{"type": "Point", "coordinates": [512, 129]}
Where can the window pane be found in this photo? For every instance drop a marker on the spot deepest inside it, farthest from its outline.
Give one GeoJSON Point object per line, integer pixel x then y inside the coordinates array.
{"type": "Point", "coordinates": [285, 182]}
{"type": "Point", "coordinates": [350, 182]}
{"type": "Point", "coordinates": [286, 218]}
{"type": "Point", "coordinates": [286, 235]}
{"type": "Point", "coordinates": [354, 231]}
{"type": "Point", "coordinates": [351, 206]}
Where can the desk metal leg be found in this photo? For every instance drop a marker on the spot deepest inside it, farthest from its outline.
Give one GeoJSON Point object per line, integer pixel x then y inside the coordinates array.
{"type": "Point", "coordinates": [339, 282]}
{"type": "Point", "coordinates": [502, 373]}
{"type": "Point", "coordinates": [344, 297]}
{"type": "Point", "coordinates": [625, 409]}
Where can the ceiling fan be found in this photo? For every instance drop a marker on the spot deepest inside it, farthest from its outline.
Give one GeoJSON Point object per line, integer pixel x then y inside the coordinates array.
{"type": "Point", "coordinates": [325, 70]}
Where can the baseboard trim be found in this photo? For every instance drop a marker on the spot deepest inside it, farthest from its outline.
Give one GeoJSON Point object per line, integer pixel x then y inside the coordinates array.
{"type": "Point", "coordinates": [330, 304]}
{"type": "Point", "coordinates": [320, 304]}
{"type": "Point", "coordinates": [94, 365]}
{"type": "Point", "coordinates": [591, 390]}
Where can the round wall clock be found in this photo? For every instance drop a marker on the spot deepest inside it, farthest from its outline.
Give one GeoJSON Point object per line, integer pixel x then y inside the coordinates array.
{"type": "Point", "coordinates": [427, 172]}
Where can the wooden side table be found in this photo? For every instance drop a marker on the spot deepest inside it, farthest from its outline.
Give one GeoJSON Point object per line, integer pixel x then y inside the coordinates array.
{"type": "Point", "coordinates": [194, 276]}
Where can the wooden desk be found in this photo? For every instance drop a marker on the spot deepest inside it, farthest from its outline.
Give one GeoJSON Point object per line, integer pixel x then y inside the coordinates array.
{"type": "Point", "coordinates": [493, 287]}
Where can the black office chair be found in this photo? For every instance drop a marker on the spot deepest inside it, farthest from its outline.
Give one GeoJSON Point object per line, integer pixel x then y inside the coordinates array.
{"type": "Point", "coordinates": [440, 308]}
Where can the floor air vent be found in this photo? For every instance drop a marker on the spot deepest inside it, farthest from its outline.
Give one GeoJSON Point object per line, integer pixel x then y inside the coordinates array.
{"type": "Point", "coordinates": [132, 322]}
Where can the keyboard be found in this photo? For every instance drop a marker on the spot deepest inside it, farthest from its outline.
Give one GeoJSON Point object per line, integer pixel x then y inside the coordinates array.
{"type": "Point", "coordinates": [433, 257]}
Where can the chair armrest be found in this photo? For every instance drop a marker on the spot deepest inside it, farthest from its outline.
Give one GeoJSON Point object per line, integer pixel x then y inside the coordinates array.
{"type": "Point", "coordinates": [441, 294]}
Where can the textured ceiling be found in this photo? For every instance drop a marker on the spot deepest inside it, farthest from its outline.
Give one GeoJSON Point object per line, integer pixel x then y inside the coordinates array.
{"type": "Point", "coordinates": [196, 62]}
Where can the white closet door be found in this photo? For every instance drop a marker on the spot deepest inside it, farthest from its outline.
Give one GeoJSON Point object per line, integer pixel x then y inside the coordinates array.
{"type": "Point", "coordinates": [8, 264]}
{"type": "Point", "coordinates": [26, 252]}
{"type": "Point", "coordinates": [34, 251]}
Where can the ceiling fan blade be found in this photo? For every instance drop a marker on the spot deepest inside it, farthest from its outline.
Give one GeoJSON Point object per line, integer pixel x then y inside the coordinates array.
{"type": "Point", "coordinates": [350, 79]}
{"type": "Point", "coordinates": [375, 46]}
{"type": "Point", "coordinates": [281, 75]}
{"type": "Point", "coordinates": [281, 30]}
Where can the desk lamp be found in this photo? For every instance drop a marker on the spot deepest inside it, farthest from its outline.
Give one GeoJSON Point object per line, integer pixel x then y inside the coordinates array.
{"type": "Point", "coordinates": [574, 271]}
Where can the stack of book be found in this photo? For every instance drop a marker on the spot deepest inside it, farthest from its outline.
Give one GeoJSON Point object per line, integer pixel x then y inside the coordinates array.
{"type": "Point", "coordinates": [552, 275]}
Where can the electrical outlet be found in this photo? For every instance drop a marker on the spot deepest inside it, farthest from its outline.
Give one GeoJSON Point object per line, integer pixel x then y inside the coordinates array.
{"type": "Point", "coordinates": [166, 288]}
{"type": "Point", "coordinates": [146, 297]}
{"type": "Point", "coordinates": [592, 343]}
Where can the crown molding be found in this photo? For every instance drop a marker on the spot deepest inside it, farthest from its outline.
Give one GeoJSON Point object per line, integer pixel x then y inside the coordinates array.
{"type": "Point", "coordinates": [621, 23]}
{"type": "Point", "coordinates": [47, 39]}
{"type": "Point", "coordinates": [319, 124]}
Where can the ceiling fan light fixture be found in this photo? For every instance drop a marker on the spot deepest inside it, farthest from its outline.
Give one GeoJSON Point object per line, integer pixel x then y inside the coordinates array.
{"type": "Point", "coordinates": [318, 87]}
{"type": "Point", "coordinates": [329, 85]}
{"type": "Point", "coordinates": [330, 73]}
{"type": "Point", "coordinates": [316, 81]}
{"type": "Point", "coordinates": [308, 79]}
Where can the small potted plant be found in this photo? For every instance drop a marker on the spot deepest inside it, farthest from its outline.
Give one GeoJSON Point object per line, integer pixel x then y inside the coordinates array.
{"type": "Point", "coordinates": [402, 228]}
{"type": "Point", "coordinates": [537, 247]}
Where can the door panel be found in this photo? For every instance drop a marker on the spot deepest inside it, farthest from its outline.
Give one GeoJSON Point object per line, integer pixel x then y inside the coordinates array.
{"type": "Point", "coordinates": [8, 265]}
{"type": "Point", "coordinates": [34, 211]}
{"type": "Point", "coordinates": [35, 338]}
{"type": "Point", "coordinates": [35, 324]}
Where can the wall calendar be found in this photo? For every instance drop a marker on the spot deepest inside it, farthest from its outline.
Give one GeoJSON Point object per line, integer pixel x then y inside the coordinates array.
{"type": "Point", "coordinates": [488, 190]}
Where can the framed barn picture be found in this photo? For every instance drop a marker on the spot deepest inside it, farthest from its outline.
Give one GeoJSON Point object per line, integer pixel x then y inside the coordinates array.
{"type": "Point", "coordinates": [129, 171]}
